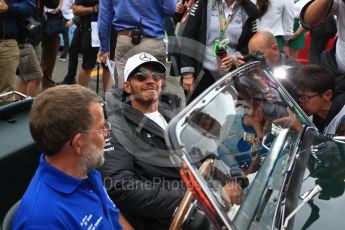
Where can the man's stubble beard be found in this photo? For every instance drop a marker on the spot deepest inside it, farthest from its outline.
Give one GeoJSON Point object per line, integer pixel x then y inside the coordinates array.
{"type": "Point", "coordinates": [93, 157]}
{"type": "Point", "coordinates": [138, 97]}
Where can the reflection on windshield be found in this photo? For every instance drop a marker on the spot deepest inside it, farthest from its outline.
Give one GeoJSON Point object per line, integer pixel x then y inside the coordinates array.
{"type": "Point", "coordinates": [260, 95]}
{"type": "Point", "coordinates": [231, 129]}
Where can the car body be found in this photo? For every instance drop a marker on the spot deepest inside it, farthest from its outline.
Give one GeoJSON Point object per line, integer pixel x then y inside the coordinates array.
{"type": "Point", "coordinates": [297, 162]}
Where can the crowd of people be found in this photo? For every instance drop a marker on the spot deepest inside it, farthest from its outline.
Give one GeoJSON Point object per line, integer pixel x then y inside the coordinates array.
{"type": "Point", "coordinates": [214, 37]}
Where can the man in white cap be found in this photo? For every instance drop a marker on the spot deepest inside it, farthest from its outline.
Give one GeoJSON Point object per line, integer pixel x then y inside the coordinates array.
{"type": "Point", "coordinates": [138, 173]}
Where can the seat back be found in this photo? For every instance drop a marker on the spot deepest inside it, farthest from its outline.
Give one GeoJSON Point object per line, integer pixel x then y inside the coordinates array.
{"type": "Point", "coordinates": [7, 222]}
{"type": "Point", "coordinates": [19, 155]}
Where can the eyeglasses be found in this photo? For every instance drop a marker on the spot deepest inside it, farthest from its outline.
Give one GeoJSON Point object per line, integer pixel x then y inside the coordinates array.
{"type": "Point", "coordinates": [305, 98]}
{"type": "Point", "coordinates": [142, 75]}
{"type": "Point", "coordinates": [105, 131]}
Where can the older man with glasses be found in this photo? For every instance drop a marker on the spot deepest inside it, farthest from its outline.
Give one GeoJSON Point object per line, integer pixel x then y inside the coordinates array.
{"type": "Point", "coordinates": [67, 123]}
{"type": "Point", "coordinates": [317, 97]}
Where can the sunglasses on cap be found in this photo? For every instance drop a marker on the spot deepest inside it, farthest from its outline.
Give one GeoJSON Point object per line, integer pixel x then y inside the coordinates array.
{"type": "Point", "coordinates": [142, 74]}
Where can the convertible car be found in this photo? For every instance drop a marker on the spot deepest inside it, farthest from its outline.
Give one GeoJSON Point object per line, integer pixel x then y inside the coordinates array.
{"type": "Point", "coordinates": [246, 128]}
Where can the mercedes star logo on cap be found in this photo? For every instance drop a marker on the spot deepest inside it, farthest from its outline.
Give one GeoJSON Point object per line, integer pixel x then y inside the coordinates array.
{"type": "Point", "coordinates": [145, 57]}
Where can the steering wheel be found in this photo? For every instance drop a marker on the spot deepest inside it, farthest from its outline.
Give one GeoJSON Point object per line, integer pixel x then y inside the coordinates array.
{"type": "Point", "coordinates": [188, 198]}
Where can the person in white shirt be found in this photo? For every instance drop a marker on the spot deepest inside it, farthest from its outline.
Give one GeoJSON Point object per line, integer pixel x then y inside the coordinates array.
{"type": "Point", "coordinates": [278, 19]}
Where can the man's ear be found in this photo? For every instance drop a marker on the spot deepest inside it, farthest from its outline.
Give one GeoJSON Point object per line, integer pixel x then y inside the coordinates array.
{"type": "Point", "coordinates": [127, 87]}
{"type": "Point", "coordinates": [328, 94]}
{"type": "Point", "coordinates": [275, 47]}
{"type": "Point", "coordinates": [77, 143]}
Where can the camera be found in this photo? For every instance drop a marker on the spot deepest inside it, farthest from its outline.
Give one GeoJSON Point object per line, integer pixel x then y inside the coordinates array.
{"type": "Point", "coordinates": [254, 56]}
{"type": "Point", "coordinates": [29, 25]}
{"type": "Point", "coordinates": [31, 29]}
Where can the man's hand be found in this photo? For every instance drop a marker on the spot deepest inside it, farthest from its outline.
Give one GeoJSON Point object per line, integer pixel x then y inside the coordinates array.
{"type": "Point", "coordinates": [102, 56]}
{"type": "Point", "coordinates": [188, 82]}
{"type": "Point", "coordinates": [69, 23]}
{"type": "Point", "coordinates": [180, 8]}
{"type": "Point", "coordinates": [227, 63]}
{"type": "Point", "coordinates": [290, 121]}
{"type": "Point", "coordinates": [297, 33]}
{"type": "Point", "coordinates": [240, 60]}
{"type": "Point", "coordinates": [254, 165]}
{"type": "Point", "coordinates": [81, 11]}
{"type": "Point", "coordinates": [232, 193]}
{"type": "Point", "coordinates": [3, 6]}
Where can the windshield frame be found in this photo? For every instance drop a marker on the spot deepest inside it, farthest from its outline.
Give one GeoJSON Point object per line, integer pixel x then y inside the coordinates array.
{"type": "Point", "coordinates": [177, 125]}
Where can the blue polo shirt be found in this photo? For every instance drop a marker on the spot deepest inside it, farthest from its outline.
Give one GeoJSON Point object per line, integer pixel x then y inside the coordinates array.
{"type": "Point", "coordinates": [55, 200]}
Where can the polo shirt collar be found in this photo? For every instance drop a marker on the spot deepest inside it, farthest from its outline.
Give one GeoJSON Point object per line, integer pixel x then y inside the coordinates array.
{"type": "Point", "coordinates": [57, 179]}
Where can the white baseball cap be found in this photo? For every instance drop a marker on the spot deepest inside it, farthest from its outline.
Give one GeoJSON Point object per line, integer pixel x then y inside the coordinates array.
{"type": "Point", "coordinates": [139, 60]}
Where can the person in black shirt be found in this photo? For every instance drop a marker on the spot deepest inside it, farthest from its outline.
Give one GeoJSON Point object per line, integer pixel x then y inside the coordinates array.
{"type": "Point", "coordinates": [86, 12]}
{"type": "Point", "coordinates": [317, 97]}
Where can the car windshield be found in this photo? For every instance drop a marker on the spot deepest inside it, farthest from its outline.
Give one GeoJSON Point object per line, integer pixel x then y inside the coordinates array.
{"type": "Point", "coordinates": [236, 125]}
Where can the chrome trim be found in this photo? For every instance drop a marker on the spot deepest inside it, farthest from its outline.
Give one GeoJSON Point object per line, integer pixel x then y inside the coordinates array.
{"type": "Point", "coordinates": [339, 139]}
{"type": "Point", "coordinates": [290, 163]}
{"type": "Point", "coordinates": [277, 145]}
{"type": "Point", "coordinates": [23, 96]}
{"type": "Point", "coordinates": [225, 219]}
{"type": "Point", "coordinates": [264, 140]}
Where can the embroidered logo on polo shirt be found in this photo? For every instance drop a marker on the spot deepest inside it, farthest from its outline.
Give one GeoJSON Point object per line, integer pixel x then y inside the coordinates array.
{"type": "Point", "coordinates": [86, 222]}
